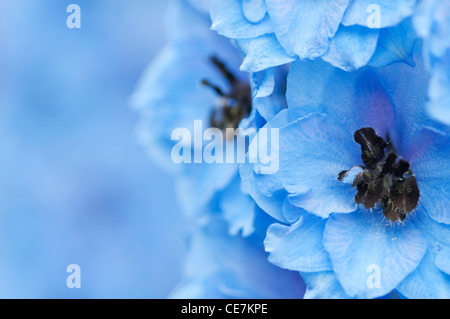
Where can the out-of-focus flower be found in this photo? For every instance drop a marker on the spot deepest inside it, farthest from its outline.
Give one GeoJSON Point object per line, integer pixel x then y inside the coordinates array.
{"type": "Point", "coordinates": [347, 34]}
{"type": "Point", "coordinates": [432, 23]}
{"type": "Point", "coordinates": [323, 232]}
{"type": "Point", "coordinates": [222, 266]}
{"type": "Point", "coordinates": [191, 80]}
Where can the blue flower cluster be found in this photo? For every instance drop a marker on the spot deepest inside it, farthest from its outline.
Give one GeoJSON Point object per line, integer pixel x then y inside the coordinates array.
{"type": "Point", "coordinates": [359, 91]}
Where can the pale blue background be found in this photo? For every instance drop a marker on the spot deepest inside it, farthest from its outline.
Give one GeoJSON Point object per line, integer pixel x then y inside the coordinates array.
{"type": "Point", "coordinates": [75, 187]}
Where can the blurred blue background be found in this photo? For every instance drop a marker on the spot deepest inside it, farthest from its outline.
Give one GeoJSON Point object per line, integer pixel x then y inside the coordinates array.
{"type": "Point", "coordinates": [75, 187]}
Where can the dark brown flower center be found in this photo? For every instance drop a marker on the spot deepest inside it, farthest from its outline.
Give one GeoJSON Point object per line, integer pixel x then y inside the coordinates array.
{"type": "Point", "coordinates": [234, 105]}
{"type": "Point", "coordinates": [386, 179]}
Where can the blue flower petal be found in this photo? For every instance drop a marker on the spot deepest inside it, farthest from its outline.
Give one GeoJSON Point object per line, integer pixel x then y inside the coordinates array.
{"type": "Point", "coordinates": [355, 99]}
{"type": "Point", "coordinates": [268, 202]}
{"type": "Point", "coordinates": [268, 92]}
{"type": "Point", "coordinates": [304, 27]}
{"type": "Point", "coordinates": [352, 47]}
{"type": "Point", "coordinates": [265, 86]}
{"type": "Point", "coordinates": [228, 19]}
{"type": "Point", "coordinates": [363, 244]}
{"type": "Point", "coordinates": [262, 53]}
{"type": "Point", "coordinates": [431, 279]}
{"type": "Point", "coordinates": [323, 285]}
{"type": "Point", "coordinates": [298, 246]}
{"type": "Point", "coordinates": [429, 154]}
{"type": "Point", "coordinates": [238, 209]}
{"type": "Point", "coordinates": [254, 10]}
{"type": "Point", "coordinates": [395, 44]}
{"type": "Point", "coordinates": [312, 152]}
{"type": "Point", "coordinates": [407, 88]}
{"type": "Point", "coordinates": [391, 12]}
{"type": "Point", "coordinates": [442, 260]}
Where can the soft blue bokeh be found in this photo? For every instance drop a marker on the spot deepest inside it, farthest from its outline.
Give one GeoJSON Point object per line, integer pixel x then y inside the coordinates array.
{"type": "Point", "coordinates": [75, 187]}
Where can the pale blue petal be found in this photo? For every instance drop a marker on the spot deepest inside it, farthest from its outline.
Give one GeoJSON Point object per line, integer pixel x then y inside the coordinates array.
{"type": "Point", "coordinates": [269, 203]}
{"type": "Point", "coordinates": [304, 27]}
{"type": "Point", "coordinates": [254, 10]}
{"type": "Point", "coordinates": [312, 152]}
{"type": "Point", "coordinates": [391, 11]}
{"type": "Point", "coordinates": [395, 44]}
{"type": "Point", "coordinates": [262, 53]}
{"type": "Point", "coordinates": [298, 246]}
{"type": "Point", "coordinates": [323, 285]}
{"type": "Point", "coordinates": [268, 92]}
{"type": "Point", "coordinates": [238, 209]}
{"type": "Point", "coordinates": [228, 19]}
{"type": "Point", "coordinates": [407, 88]}
{"type": "Point", "coordinates": [364, 244]}
{"type": "Point", "coordinates": [437, 236]}
{"type": "Point", "coordinates": [431, 279]}
{"type": "Point", "coordinates": [355, 99]}
{"type": "Point", "coordinates": [265, 86]}
{"type": "Point", "coordinates": [352, 47]}
{"type": "Point", "coordinates": [429, 154]}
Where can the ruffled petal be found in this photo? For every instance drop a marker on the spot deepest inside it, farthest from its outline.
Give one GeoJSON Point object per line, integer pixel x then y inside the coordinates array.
{"type": "Point", "coordinates": [215, 264]}
{"type": "Point", "coordinates": [229, 19]}
{"type": "Point", "coordinates": [369, 256]}
{"type": "Point", "coordinates": [270, 203]}
{"type": "Point", "coordinates": [298, 246]}
{"type": "Point", "coordinates": [352, 47]}
{"type": "Point", "coordinates": [312, 152]}
{"type": "Point", "coordinates": [407, 88]}
{"type": "Point", "coordinates": [268, 92]}
{"type": "Point", "coordinates": [429, 154]}
{"type": "Point", "coordinates": [238, 209]}
{"type": "Point", "coordinates": [254, 10]}
{"type": "Point", "coordinates": [262, 53]}
{"type": "Point", "coordinates": [304, 27]}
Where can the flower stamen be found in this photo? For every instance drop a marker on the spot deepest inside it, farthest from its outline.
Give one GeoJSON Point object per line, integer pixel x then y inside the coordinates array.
{"type": "Point", "coordinates": [385, 178]}
{"type": "Point", "coordinates": [234, 106]}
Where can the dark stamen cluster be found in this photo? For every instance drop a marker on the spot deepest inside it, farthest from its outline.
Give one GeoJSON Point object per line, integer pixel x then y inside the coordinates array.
{"type": "Point", "coordinates": [235, 105]}
{"type": "Point", "coordinates": [385, 178]}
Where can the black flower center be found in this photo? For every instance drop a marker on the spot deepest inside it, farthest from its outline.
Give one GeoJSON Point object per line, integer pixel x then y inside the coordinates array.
{"type": "Point", "coordinates": [234, 105]}
{"type": "Point", "coordinates": [386, 179]}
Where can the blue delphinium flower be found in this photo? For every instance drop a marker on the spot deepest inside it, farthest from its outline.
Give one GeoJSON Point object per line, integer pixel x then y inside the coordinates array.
{"type": "Point", "coordinates": [353, 223]}
{"type": "Point", "coordinates": [432, 23]}
{"type": "Point", "coordinates": [347, 34]}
